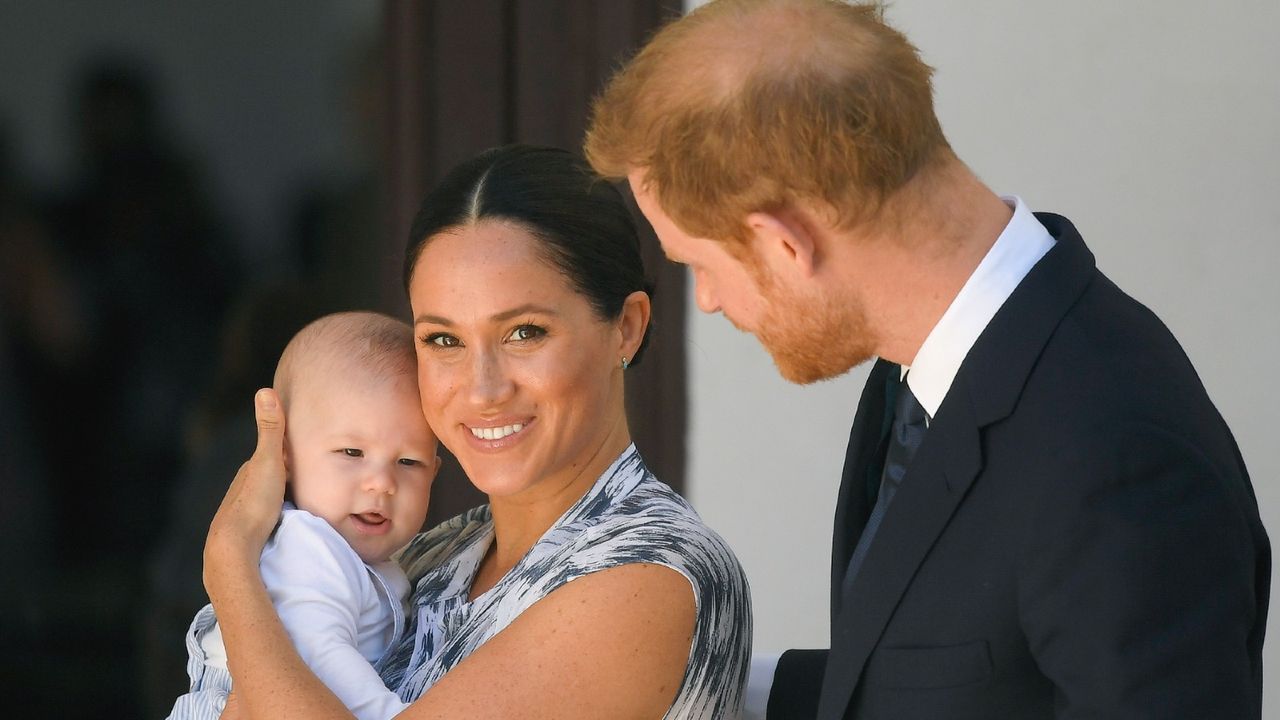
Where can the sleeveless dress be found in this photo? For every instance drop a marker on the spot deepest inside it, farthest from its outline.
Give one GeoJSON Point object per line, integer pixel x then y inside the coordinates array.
{"type": "Point", "coordinates": [628, 516]}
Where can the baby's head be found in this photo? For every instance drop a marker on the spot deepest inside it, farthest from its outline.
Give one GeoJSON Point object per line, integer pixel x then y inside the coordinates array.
{"type": "Point", "coordinates": [359, 453]}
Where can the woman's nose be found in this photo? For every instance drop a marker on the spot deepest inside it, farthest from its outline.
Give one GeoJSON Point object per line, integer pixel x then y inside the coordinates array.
{"type": "Point", "coordinates": [490, 383]}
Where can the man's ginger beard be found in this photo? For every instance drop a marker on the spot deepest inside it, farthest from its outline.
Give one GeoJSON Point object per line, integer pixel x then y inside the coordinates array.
{"type": "Point", "coordinates": [810, 337]}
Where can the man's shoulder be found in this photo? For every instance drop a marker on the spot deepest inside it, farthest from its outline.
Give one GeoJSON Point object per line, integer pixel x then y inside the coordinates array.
{"type": "Point", "coordinates": [1069, 336]}
{"type": "Point", "coordinates": [1111, 351]}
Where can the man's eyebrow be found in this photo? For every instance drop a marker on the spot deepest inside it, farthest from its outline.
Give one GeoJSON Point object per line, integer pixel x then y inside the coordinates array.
{"type": "Point", "coordinates": [526, 309]}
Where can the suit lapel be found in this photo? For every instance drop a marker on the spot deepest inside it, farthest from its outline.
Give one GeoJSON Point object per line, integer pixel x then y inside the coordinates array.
{"type": "Point", "coordinates": [985, 390]}
{"type": "Point", "coordinates": [943, 469]}
{"type": "Point", "coordinates": [866, 441]}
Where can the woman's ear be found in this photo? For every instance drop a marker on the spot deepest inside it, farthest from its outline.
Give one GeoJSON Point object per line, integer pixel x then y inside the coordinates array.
{"type": "Point", "coordinates": [783, 237]}
{"type": "Point", "coordinates": [633, 322]}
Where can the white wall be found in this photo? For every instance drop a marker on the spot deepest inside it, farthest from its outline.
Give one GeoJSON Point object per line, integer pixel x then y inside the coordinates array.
{"type": "Point", "coordinates": [1155, 126]}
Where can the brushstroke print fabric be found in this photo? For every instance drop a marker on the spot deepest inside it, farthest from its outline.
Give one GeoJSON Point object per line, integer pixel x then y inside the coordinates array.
{"type": "Point", "coordinates": [628, 516]}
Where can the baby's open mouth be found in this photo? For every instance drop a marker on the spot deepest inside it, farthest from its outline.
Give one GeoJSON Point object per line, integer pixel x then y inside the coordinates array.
{"type": "Point", "coordinates": [372, 519]}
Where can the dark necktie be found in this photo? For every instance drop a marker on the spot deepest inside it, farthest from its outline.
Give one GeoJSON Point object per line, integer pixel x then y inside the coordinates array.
{"type": "Point", "coordinates": [905, 436]}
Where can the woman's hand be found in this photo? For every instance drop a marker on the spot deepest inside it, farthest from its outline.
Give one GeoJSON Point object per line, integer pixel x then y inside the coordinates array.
{"type": "Point", "coordinates": [269, 676]}
{"type": "Point", "coordinates": [251, 507]}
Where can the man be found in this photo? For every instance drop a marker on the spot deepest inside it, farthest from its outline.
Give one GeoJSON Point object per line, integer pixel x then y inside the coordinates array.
{"type": "Point", "coordinates": [1041, 515]}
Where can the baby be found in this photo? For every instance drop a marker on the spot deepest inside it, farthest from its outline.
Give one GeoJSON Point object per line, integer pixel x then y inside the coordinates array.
{"type": "Point", "coordinates": [360, 461]}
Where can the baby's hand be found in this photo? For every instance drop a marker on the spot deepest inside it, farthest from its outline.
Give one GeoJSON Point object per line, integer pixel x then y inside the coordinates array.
{"type": "Point", "coordinates": [251, 507]}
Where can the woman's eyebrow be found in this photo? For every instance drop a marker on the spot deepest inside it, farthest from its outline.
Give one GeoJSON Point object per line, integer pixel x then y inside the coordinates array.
{"type": "Point", "coordinates": [433, 320]}
{"type": "Point", "coordinates": [526, 309]}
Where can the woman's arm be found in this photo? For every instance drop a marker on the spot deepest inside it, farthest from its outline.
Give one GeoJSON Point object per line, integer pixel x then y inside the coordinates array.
{"type": "Point", "coordinates": [612, 644]}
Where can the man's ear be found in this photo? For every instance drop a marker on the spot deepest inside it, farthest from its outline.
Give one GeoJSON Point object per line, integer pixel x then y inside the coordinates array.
{"type": "Point", "coordinates": [783, 236]}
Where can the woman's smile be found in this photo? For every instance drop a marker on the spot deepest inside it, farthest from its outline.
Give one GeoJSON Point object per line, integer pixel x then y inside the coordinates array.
{"type": "Point", "coordinates": [498, 432]}
{"type": "Point", "coordinates": [495, 438]}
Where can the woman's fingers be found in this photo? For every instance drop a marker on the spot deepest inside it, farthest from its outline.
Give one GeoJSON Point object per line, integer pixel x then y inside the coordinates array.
{"type": "Point", "coordinates": [261, 480]}
{"type": "Point", "coordinates": [251, 506]}
{"type": "Point", "coordinates": [266, 409]}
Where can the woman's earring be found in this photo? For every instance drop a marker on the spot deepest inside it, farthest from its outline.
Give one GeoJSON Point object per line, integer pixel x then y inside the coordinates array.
{"type": "Point", "coordinates": [625, 362]}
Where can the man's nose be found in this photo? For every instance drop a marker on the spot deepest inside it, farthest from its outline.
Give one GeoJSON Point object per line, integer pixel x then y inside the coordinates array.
{"type": "Point", "coordinates": [708, 301]}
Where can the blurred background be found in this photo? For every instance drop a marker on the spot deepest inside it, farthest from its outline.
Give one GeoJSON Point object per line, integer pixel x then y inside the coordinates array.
{"type": "Point", "coordinates": [184, 184]}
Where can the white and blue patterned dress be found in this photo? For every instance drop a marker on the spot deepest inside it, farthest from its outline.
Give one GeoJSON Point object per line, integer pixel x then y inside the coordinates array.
{"type": "Point", "coordinates": [628, 516]}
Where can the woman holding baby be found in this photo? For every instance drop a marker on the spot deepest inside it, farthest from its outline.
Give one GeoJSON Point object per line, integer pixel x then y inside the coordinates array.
{"type": "Point", "coordinates": [585, 588]}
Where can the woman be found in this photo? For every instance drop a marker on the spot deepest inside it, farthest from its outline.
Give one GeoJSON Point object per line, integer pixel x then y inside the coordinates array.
{"type": "Point", "coordinates": [586, 588]}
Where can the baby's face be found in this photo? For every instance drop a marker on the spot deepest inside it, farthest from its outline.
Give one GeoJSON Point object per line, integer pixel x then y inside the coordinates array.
{"type": "Point", "coordinates": [362, 457]}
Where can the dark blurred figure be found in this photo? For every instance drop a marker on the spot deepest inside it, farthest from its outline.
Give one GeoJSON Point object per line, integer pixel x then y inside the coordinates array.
{"type": "Point", "coordinates": [158, 277]}
{"type": "Point", "coordinates": [126, 342]}
{"type": "Point", "coordinates": [40, 327]}
{"type": "Point", "coordinates": [339, 221]}
{"type": "Point", "coordinates": [220, 436]}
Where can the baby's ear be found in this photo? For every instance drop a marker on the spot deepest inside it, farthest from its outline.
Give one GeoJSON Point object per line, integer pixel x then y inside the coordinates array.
{"type": "Point", "coordinates": [435, 466]}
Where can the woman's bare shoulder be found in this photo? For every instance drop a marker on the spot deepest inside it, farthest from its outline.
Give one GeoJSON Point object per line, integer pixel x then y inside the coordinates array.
{"type": "Point", "coordinates": [614, 643]}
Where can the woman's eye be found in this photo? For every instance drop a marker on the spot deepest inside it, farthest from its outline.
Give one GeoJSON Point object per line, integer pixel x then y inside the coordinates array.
{"type": "Point", "coordinates": [443, 340]}
{"type": "Point", "coordinates": [524, 333]}
{"type": "Point", "coordinates": [353, 452]}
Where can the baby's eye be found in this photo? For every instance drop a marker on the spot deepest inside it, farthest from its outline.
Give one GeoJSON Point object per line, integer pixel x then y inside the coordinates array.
{"type": "Point", "coordinates": [410, 462]}
{"type": "Point", "coordinates": [525, 333]}
{"type": "Point", "coordinates": [442, 340]}
{"type": "Point", "coordinates": [353, 452]}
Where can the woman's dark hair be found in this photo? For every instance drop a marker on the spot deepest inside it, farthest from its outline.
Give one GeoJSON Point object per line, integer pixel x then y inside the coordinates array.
{"type": "Point", "coordinates": [585, 228]}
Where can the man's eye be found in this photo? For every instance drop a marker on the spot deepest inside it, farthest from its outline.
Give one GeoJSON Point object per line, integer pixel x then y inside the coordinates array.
{"type": "Point", "coordinates": [443, 340]}
{"type": "Point", "coordinates": [524, 333]}
{"type": "Point", "coordinates": [353, 452]}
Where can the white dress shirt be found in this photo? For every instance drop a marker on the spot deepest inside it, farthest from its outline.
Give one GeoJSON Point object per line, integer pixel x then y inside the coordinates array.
{"type": "Point", "coordinates": [1018, 248]}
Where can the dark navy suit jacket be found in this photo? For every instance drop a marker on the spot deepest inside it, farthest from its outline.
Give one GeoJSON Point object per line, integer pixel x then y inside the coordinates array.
{"type": "Point", "coordinates": [1076, 537]}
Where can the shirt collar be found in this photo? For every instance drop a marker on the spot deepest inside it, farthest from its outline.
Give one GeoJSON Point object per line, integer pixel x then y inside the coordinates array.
{"type": "Point", "coordinates": [1020, 246]}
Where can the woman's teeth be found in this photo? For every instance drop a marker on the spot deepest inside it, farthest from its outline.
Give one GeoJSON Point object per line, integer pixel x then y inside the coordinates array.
{"type": "Point", "coordinates": [496, 433]}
